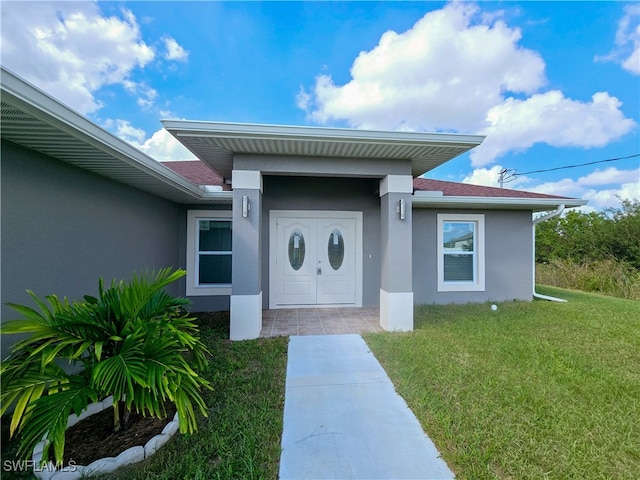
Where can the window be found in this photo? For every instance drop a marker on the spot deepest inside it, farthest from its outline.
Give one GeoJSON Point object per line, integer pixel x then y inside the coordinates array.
{"type": "Point", "coordinates": [209, 252]}
{"type": "Point", "coordinates": [460, 252]}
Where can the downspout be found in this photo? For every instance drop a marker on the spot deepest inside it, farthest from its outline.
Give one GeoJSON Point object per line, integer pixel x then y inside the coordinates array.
{"type": "Point", "coordinates": [555, 213]}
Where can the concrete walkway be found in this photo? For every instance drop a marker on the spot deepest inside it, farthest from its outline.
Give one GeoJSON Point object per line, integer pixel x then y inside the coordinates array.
{"type": "Point", "coordinates": [344, 420]}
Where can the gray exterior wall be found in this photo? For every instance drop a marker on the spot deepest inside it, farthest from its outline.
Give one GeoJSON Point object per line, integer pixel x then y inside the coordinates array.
{"type": "Point", "coordinates": [198, 303]}
{"type": "Point", "coordinates": [321, 166]}
{"type": "Point", "coordinates": [346, 194]}
{"type": "Point", "coordinates": [64, 227]}
{"type": "Point", "coordinates": [508, 258]}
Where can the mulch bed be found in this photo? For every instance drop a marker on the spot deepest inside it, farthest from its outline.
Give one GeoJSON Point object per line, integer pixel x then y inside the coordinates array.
{"type": "Point", "coordinates": [93, 438]}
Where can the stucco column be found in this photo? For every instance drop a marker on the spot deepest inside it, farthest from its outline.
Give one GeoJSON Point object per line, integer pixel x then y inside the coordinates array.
{"type": "Point", "coordinates": [396, 287]}
{"type": "Point", "coordinates": [246, 290]}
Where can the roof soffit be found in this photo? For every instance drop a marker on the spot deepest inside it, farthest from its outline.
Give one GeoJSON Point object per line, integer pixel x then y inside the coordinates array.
{"type": "Point", "coordinates": [216, 143]}
{"type": "Point", "coordinates": [35, 120]}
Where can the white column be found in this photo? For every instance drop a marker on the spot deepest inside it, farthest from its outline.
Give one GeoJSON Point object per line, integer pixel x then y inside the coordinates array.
{"type": "Point", "coordinates": [246, 278]}
{"type": "Point", "coordinates": [396, 288]}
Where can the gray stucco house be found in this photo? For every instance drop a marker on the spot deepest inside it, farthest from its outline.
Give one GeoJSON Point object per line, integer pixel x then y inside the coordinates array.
{"type": "Point", "coordinates": [270, 217]}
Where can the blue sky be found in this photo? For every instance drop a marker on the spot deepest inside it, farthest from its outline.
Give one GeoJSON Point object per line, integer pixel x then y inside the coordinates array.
{"type": "Point", "coordinates": [549, 83]}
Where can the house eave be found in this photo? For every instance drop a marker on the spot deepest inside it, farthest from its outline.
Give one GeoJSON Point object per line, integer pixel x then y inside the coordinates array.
{"type": "Point", "coordinates": [428, 200]}
{"type": "Point", "coordinates": [215, 143]}
{"type": "Point", "coordinates": [35, 120]}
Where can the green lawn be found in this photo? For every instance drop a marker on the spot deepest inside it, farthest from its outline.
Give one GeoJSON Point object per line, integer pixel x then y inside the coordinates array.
{"type": "Point", "coordinates": [241, 437]}
{"type": "Point", "coordinates": [532, 390]}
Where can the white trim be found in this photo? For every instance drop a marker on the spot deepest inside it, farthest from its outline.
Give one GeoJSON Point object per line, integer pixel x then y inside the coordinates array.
{"type": "Point", "coordinates": [396, 184]}
{"type": "Point", "coordinates": [193, 289]}
{"type": "Point", "coordinates": [427, 200]}
{"type": "Point", "coordinates": [396, 311]}
{"type": "Point", "coordinates": [478, 285]}
{"type": "Point", "coordinates": [186, 128]}
{"type": "Point", "coordinates": [251, 179]}
{"type": "Point", "coordinates": [246, 316]}
{"type": "Point", "coordinates": [274, 215]}
{"type": "Point", "coordinates": [35, 102]}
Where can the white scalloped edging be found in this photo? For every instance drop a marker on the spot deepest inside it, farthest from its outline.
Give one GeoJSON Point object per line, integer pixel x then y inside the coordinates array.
{"type": "Point", "coordinates": [103, 465]}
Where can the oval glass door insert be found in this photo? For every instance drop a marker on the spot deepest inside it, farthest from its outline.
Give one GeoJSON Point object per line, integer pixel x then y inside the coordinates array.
{"type": "Point", "coordinates": [335, 249]}
{"type": "Point", "coordinates": [296, 249]}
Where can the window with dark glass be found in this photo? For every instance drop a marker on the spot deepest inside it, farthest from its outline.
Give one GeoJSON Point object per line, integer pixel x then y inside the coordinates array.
{"type": "Point", "coordinates": [214, 252]}
{"type": "Point", "coordinates": [459, 251]}
{"type": "Point", "coordinates": [335, 249]}
{"type": "Point", "coordinates": [296, 249]}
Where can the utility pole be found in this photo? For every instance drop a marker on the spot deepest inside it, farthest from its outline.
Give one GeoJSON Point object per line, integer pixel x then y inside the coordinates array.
{"type": "Point", "coordinates": [501, 177]}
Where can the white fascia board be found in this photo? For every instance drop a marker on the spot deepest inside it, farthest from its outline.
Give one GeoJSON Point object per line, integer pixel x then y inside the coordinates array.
{"type": "Point", "coordinates": [216, 195]}
{"type": "Point", "coordinates": [41, 105]}
{"type": "Point", "coordinates": [513, 203]}
{"type": "Point", "coordinates": [245, 130]}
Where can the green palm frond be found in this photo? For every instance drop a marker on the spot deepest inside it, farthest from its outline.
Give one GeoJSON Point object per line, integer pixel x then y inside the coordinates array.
{"type": "Point", "coordinates": [47, 417]}
{"type": "Point", "coordinates": [118, 374]}
{"type": "Point", "coordinates": [134, 341]}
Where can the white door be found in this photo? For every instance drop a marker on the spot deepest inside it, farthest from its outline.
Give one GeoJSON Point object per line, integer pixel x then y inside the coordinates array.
{"type": "Point", "coordinates": [315, 261]}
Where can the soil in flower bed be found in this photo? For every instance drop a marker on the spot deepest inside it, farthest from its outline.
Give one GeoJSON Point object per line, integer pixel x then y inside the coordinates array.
{"type": "Point", "coordinates": [93, 438]}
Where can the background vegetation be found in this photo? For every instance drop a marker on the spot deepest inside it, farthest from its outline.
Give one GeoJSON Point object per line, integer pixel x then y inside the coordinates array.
{"type": "Point", "coordinates": [595, 252]}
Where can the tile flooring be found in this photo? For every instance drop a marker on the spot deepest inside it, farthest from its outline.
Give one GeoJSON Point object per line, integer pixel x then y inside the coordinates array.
{"type": "Point", "coordinates": [320, 321]}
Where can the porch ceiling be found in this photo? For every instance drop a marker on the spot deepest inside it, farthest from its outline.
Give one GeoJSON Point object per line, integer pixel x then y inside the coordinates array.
{"type": "Point", "coordinates": [215, 143]}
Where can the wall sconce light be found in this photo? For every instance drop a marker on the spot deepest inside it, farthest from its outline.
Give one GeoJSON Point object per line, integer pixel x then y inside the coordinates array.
{"type": "Point", "coordinates": [402, 209]}
{"type": "Point", "coordinates": [245, 206]}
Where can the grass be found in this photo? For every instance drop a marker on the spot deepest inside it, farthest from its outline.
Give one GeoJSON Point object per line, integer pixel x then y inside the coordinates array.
{"type": "Point", "coordinates": [241, 436]}
{"type": "Point", "coordinates": [609, 277]}
{"type": "Point", "coordinates": [532, 390]}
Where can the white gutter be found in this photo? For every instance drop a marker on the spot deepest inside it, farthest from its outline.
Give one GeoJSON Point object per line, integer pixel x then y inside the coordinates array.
{"type": "Point", "coordinates": [430, 199]}
{"type": "Point", "coordinates": [543, 218]}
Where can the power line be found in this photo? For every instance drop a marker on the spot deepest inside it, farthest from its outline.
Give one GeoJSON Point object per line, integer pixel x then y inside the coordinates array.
{"type": "Point", "coordinates": [575, 166]}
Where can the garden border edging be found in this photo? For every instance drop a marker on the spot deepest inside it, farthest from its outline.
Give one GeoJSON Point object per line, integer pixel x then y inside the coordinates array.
{"type": "Point", "coordinates": [102, 465]}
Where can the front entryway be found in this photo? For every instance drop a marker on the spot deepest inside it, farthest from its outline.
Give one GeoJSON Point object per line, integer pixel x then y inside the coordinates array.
{"type": "Point", "coordinates": [320, 321]}
{"type": "Point", "coordinates": [315, 258]}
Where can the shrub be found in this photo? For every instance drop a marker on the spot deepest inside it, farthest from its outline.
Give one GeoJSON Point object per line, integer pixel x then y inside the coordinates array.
{"type": "Point", "coordinates": [132, 342]}
{"type": "Point", "coordinates": [609, 277]}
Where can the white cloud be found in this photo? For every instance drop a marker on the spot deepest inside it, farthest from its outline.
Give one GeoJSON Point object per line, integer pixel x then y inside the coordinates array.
{"type": "Point", "coordinates": [126, 131]}
{"type": "Point", "coordinates": [489, 177]}
{"type": "Point", "coordinates": [602, 188]}
{"type": "Point", "coordinates": [444, 73]}
{"type": "Point", "coordinates": [70, 50]}
{"type": "Point", "coordinates": [553, 119]}
{"type": "Point", "coordinates": [461, 69]}
{"type": "Point", "coordinates": [162, 146]}
{"type": "Point", "coordinates": [623, 184]}
{"type": "Point", "coordinates": [627, 41]}
{"type": "Point", "coordinates": [611, 176]}
{"type": "Point", "coordinates": [174, 51]}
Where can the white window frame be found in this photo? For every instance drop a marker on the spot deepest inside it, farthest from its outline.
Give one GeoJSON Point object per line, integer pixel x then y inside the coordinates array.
{"type": "Point", "coordinates": [194, 289]}
{"type": "Point", "coordinates": [478, 283]}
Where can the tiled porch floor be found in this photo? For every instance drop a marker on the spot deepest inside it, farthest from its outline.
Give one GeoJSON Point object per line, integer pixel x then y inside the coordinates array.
{"type": "Point", "coordinates": [320, 321]}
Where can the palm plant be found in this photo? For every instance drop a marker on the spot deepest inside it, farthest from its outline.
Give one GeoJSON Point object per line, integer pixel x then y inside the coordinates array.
{"type": "Point", "coordinates": [133, 342]}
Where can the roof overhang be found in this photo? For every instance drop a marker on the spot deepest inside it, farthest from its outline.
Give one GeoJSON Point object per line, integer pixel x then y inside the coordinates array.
{"type": "Point", "coordinates": [216, 143]}
{"type": "Point", "coordinates": [35, 120]}
{"type": "Point", "coordinates": [429, 200]}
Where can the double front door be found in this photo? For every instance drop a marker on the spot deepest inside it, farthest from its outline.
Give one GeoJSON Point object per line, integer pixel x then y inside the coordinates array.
{"type": "Point", "coordinates": [315, 260]}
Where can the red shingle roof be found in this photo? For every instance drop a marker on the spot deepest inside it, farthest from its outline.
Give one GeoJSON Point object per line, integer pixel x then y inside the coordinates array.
{"type": "Point", "coordinates": [197, 172]}
{"type": "Point", "coordinates": [454, 189]}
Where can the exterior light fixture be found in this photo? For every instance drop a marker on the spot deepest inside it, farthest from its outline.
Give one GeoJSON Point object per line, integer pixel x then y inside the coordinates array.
{"type": "Point", "coordinates": [245, 206]}
{"type": "Point", "coordinates": [402, 209]}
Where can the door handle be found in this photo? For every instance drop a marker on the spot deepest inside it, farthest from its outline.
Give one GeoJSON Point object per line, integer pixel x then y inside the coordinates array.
{"type": "Point", "coordinates": [319, 271]}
